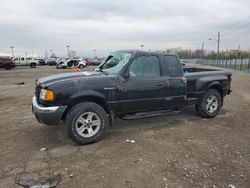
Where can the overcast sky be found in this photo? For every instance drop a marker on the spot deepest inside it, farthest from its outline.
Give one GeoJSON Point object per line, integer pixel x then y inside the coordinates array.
{"type": "Point", "coordinates": [122, 24]}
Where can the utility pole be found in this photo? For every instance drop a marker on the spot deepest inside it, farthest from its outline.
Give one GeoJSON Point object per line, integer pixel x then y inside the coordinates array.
{"type": "Point", "coordinates": [239, 50]}
{"type": "Point", "coordinates": [32, 49]}
{"type": "Point", "coordinates": [68, 49]}
{"type": "Point", "coordinates": [94, 53]}
{"type": "Point", "coordinates": [142, 45]}
{"type": "Point", "coordinates": [218, 46]}
{"type": "Point", "coordinates": [202, 47]}
{"type": "Point", "coordinates": [12, 47]}
{"type": "Point", "coordinates": [51, 50]}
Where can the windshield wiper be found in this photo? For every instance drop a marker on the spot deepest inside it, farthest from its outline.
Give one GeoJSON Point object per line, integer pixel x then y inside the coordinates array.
{"type": "Point", "coordinates": [101, 70]}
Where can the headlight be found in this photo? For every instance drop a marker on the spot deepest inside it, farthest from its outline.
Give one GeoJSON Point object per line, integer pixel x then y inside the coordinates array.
{"type": "Point", "coordinates": [47, 95]}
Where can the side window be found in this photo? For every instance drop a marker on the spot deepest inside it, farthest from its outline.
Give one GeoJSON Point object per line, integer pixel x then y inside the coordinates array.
{"type": "Point", "coordinates": [145, 66]}
{"type": "Point", "coordinates": [22, 59]}
{"type": "Point", "coordinates": [173, 66]}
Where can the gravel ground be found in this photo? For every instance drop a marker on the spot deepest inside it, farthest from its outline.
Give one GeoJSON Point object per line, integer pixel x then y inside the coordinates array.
{"type": "Point", "coordinates": [180, 150]}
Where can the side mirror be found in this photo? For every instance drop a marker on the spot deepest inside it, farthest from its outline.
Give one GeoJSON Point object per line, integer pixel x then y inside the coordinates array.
{"type": "Point", "coordinates": [126, 75]}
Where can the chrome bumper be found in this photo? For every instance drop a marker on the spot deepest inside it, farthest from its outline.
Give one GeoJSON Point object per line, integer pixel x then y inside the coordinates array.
{"type": "Point", "coordinates": [42, 109]}
{"type": "Point", "coordinates": [51, 115]}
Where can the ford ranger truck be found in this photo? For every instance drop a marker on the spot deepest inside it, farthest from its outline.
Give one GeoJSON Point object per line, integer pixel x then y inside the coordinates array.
{"type": "Point", "coordinates": [128, 84]}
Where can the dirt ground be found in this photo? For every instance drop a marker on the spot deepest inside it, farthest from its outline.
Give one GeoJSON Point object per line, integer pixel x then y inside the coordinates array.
{"type": "Point", "coordinates": [180, 150]}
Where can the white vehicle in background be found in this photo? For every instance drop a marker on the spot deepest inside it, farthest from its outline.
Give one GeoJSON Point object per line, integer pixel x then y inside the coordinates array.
{"type": "Point", "coordinates": [80, 63]}
{"type": "Point", "coordinates": [26, 61]}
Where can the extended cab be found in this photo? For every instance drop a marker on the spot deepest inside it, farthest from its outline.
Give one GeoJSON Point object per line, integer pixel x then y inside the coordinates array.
{"type": "Point", "coordinates": [128, 83]}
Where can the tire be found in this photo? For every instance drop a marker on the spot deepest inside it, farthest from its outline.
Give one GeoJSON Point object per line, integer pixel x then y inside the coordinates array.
{"type": "Point", "coordinates": [33, 65]}
{"type": "Point", "coordinates": [7, 67]}
{"type": "Point", "coordinates": [82, 120]}
{"type": "Point", "coordinates": [59, 65]}
{"type": "Point", "coordinates": [81, 66]}
{"type": "Point", "coordinates": [210, 104]}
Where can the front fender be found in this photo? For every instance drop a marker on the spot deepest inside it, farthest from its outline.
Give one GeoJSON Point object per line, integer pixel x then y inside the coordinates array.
{"type": "Point", "coordinates": [87, 93]}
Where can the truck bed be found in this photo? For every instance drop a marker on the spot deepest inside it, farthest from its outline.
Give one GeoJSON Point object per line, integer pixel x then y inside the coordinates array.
{"type": "Point", "coordinates": [196, 75]}
{"type": "Point", "coordinates": [201, 72]}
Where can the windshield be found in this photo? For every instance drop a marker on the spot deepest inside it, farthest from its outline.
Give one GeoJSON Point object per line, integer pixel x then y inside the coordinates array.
{"type": "Point", "coordinates": [115, 62]}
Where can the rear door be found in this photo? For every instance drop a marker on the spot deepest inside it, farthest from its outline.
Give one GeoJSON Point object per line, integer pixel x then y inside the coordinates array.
{"type": "Point", "coordinates": [177, 81]}
{"type": "Point", "coordinates": [19, 60]}
{"type": "Point", "coordinates": [27, 61]}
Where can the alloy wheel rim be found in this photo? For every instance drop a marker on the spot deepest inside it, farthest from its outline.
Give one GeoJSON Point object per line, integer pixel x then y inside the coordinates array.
{"type": "Point", "coordinates": [212, 103]}
{"type": "Point", "coordinates": [88, 124]}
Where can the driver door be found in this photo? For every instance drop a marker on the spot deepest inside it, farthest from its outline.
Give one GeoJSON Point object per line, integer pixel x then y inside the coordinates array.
{"type": "Point", "coordinates": [144, 89]}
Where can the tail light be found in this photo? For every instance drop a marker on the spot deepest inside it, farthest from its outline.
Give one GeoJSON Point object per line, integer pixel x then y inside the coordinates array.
{"type": "Point", "coordinates": [230, 81]}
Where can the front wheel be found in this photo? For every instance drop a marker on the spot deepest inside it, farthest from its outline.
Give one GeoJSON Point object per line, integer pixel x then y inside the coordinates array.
{"type": "Point", "coordinates": [210, 104]}
{"type": "Point", "coordinates": [81, 66]}
{"type": "Point", "coordinates": [86, 123]}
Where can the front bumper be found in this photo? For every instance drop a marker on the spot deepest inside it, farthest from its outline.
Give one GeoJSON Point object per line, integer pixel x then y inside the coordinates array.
{"type": "Point", "coordinates": [51, 115]}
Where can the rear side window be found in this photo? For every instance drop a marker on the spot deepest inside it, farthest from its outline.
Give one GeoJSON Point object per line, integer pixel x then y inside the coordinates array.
{"type": "Point", "coordinates": [173, 66]}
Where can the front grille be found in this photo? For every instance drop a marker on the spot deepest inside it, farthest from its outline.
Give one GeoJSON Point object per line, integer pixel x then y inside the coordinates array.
{"type": "Point", "coordinates": [37, 92]}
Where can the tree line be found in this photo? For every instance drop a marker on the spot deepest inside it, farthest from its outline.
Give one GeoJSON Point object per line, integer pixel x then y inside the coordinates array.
{"type": "Point", "coordinates": [198, 53]}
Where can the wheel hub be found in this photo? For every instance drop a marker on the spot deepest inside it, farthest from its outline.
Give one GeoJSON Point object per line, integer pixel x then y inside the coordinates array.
{"type": "Point", "coordinates": [212, 103]}
{"type": "Point", "coordinates": [88, 124]}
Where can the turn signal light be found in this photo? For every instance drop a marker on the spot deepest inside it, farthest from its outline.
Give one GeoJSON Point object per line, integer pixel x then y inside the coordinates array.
{"type": "Point", "coordinates": [47, 95]}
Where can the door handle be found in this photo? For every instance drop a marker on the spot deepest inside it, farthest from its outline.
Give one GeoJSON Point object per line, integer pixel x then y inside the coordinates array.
{"type": "Point", "coordinates": [160, 84]}
{"type": "Point", "coordinates": [183, 80]}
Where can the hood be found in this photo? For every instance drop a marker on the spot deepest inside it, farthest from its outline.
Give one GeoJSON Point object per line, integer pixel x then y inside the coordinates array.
{"type": "Point", "coordinates": [57, 78]}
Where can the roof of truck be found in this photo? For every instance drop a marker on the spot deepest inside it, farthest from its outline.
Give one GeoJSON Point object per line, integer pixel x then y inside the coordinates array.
{"type": "Point", "coordinates": [148, 52]}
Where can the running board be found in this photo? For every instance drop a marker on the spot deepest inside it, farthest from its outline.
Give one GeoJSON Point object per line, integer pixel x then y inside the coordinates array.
{"type": "Point", "coordinates": [191, 100]}
{"type": "Point", "coordinates": [151, 114]}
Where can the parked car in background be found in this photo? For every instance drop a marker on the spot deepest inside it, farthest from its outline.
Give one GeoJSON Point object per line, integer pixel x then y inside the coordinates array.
{"type": "Point", "coordinates": [89, 62]}
{"type": "Point", "coordinates": [6, 63]}
{"type": "Point", "coordinates": [60, 60]}
{"type": "Point", "coordinates": [51, 62]}
{"type": "Point", "coordinates": [80, 63]}
{"type": "Point", "coordinates": [41, 62]}
{"type": "Point", "coordinates": [26, 61]}
{"type": "Point", "coordinates": [183, 63]}
{"type": "Point", "coordinates": [96, 62]}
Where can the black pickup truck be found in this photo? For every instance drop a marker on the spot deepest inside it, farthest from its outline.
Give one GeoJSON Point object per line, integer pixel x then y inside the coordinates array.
{"type": "Point", "coordinates": [128, 84]}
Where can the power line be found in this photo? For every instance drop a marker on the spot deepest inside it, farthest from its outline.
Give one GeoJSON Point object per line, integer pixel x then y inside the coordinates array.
{"type": "Point", "coordinates": [235, 27]}
{"type": "Point", "coordinates": [234, 35]}
{"type": "Point", "coordinates": [238, 29]}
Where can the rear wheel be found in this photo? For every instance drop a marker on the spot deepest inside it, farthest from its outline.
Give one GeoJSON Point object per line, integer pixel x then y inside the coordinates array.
{"type": "Point", "coordinates": [81, 66]}
{"type": "Point", "coordinates": [210, 104]}
{"type": "Point", "coordinates": [86, 123]}
{"type": "Point", "coordinates": [7, 67]}
{"type": "Point", "coordinates": [33, 65]}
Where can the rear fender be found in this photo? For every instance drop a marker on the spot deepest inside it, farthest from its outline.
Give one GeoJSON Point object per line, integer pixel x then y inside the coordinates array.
{"type": "Point", "coordinates": [207, 82]}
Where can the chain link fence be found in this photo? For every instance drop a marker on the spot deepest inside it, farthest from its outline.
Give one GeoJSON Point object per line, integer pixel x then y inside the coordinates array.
{"type": "Point", "coordinates": [237, 64]}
